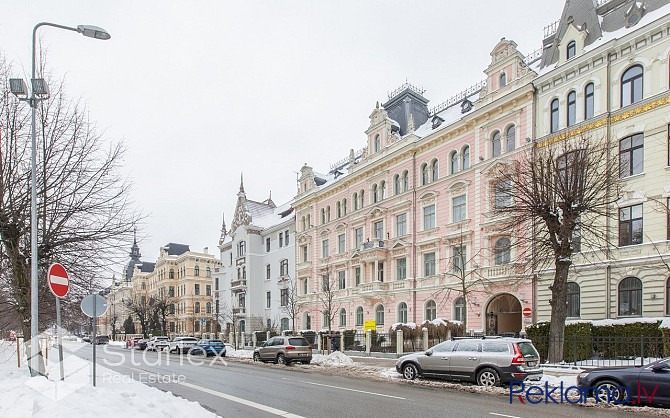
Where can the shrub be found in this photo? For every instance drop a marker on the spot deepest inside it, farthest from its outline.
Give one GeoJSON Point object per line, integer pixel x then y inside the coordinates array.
{"type": "Point", "coordinates": [578, 340]}
{"type": "Point", "coordinates": [310, 336]}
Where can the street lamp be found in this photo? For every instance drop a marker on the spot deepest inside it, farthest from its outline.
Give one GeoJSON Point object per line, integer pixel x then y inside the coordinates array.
{"type": "Point", "coordinates": [40, 92]}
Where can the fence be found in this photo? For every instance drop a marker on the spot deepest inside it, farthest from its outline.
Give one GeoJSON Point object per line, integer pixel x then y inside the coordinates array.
{"type": "Point", "coordinates": [354, 341]}
{"type": "Point", "coordinates": [604, 351]}
{"type": "Point", "coordinates": [382, 343]}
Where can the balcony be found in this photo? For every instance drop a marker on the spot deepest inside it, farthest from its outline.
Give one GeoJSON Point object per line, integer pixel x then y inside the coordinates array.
{"type": "Point", "coordinates": [239, 311]}
{"type": "Point", "coordinates": [373, 289]}
{"type": "Point", "coordinates": [505, 270]}
{"type": "Point", "coordinates": [373, 250]}
{"type": "Point", "coordinates": [238, 285]}
{"type": "Point", "coordinates": [401, 285]}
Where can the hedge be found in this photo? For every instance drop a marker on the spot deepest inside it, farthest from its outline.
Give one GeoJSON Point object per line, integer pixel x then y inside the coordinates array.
{"type": "Point", "coordinates": [539, 334]}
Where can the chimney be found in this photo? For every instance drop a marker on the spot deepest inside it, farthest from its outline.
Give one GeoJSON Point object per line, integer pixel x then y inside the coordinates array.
{"type": "Point", "coordinates": [204, 250]}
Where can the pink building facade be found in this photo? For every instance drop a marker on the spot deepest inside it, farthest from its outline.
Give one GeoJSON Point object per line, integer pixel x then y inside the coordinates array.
{"type": "Point", "coordinates": [399, 228]}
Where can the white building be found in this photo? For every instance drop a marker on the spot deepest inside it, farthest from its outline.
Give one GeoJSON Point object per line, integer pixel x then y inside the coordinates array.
{"type": "Point", "coordinates": [258, 260]}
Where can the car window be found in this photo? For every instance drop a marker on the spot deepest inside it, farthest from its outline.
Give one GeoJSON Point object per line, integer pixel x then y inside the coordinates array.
{"type": "Point", "coordinates": [495, 347]}
{"type": "Point", "coordinates": [468, 346]}
{"type": "Point", "coordinates": [527, 349]}
{"type": "Point", "coordinates": [270, 342]}
{"type": "Point", "coordinates": [300, 342]}
{"type": "Point", "coordinates": [444, 346]}
{"type": "Point", "coordinates": [215, 342]}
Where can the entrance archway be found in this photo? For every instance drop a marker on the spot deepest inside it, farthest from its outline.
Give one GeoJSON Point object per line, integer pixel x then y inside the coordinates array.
{"type": "Point", "coordinates": [503, 315]}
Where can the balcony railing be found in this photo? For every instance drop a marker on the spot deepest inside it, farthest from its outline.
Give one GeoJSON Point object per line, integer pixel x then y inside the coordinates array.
{"type": "Point", "coordinates": [376, 243]}
{"type": "Point", "coordinates": [238, 284]}
{"type": "Point", "coordinates": [238, 311]}
{"type": "Point", "coordinates": [374, 287]}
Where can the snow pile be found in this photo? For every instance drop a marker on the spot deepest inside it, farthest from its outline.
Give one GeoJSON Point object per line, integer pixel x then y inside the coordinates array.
{"type": "Point", "coordinates": [397, 325]}
{"type": "Point", "coordinates": [117, 343]}
{"type": "Point", "coordinates": [336, 358]}
{"type": "Point", "coordinates": [239, 353]}
{"type": "Point", "coordinates": [621, 321]}
{"type": "Point", "coordinates": [390, 373]}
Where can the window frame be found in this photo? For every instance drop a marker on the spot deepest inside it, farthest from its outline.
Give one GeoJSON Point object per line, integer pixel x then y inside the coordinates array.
{"type": "Point", "coordinates": [589, 100]}
{"type": "Point", "coordinates": [571, 108]}
{"type": "Point", "coordinates": [429, 267]}
{"type": "Point", "coordinates": [429, 217]}
{"type": "Point", "coordinates": [502, 254]}
{"type": "Point", "coordinates": [430, 310]}
{"type": "Point", "coordinates": [629, 152]}
{"type": "Point", "coordinates": [496, 144]}
{"type": "Point", "coordinates": [631, 221]}
{"type": "Point", "coordinates": [573, 295]}
{"type": "Point", "coordinates": [630, 292]}
{"type": "Point", "coordinates": [630, 82]}
{"type": "Point", "coordinates": [570, 50]}
{"type": "Point", "coordinates": [459, 211]}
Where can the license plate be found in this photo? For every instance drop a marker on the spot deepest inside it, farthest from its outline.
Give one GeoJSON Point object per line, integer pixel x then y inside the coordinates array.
{"type": "Point", "coordinates": [302, 354]}
{"type": "Point", "coordinates": [532, 363]}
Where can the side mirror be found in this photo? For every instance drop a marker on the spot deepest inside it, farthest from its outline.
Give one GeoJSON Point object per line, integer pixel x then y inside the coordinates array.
{"type": "Point", "coordinates": [659, 367]}
{"type": "Point", "coordinates": [429, 352]}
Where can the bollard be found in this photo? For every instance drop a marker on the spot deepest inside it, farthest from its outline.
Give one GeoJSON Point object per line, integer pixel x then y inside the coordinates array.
{"type": "Point", "coordinates": [319, 342]}
{"type": "Point", "coordinates": [368, 341]}
{"type": "Point", "coordinates": [267, 335]}
{"type": "Point", "coordinates": [399, 342]}
{"type": "Point", "coordinates": [342, 342]}
{"type": "Point", "coordinates": [254, 340]}
{"type": "Point", "coordinates": [424, 331]}
{"type": "Point", "coordinates": [18, 352]}
{"type": "Point", "coordinates": [448, 334]}
{"type": "Point", "coordinates": [231, 338]}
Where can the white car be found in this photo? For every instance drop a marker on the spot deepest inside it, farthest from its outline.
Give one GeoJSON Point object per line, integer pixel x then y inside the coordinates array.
{"type": "Point", "coordinates": [182, 344]}
{"type": "Point", "coordinates": [158, 343]}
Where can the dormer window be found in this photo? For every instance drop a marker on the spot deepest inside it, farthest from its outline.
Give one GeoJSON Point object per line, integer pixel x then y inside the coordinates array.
{"type": "Point", "coordinates": [466, 105]}
{"type": "Point", "coordinates": [634, 14]}
{"type": "Point", "coordinates": [571, 49]}
{"type": "Point", "coordinates": [503, 80]}
{"type": "Point", "coordinates": [437, 121]}
{"type": "Point", "coordinates": [378, 143]}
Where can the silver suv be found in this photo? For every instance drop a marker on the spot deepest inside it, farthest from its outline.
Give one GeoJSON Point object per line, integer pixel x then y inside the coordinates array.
{"type": "Point", "coordinates": [487, 361]}
{"type": "Point", "coordinates": [182, 344]}
{"type": "Point", "coordinates": [158, 343]}
{"type": "Point", "coordinates": [284, 350]}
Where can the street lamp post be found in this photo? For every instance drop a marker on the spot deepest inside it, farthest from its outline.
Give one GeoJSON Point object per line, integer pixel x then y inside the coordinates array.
{"type": "Point", "coordinates": [38, 92]}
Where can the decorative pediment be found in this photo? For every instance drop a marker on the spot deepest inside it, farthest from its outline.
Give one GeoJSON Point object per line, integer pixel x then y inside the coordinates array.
{"type": "Point", "coordinates": [325, 233]}
{"type": "Point", "coordinates": [376, 212]}
{"type": "Point", "coordinates": [502, 50]}
{"type": "Point", "coordinates": [458, 186]}
{"type": "Point", "coordinates": [631, 198]}
{"type": "Point", "coordinates": [378, 116]}
{"type": "Point", "coordinates": [496, 167]}
{"type": "Point", "coordinates": [303, 238]}
{"type": "Point", "coordinates": [242, 216]}
{"type": "Point", "coordinates": [428, 197]}
{"type": "Point", "coordinates": [341, 227]}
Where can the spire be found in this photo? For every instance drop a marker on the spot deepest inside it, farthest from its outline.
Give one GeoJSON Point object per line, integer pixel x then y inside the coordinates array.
{"type": "Point", "coordinates": [223, 225]}
{"type": "Point", "coordinates": [135, 249]}
{"type": "Point", "coordinates": [270, 202]}
{"type": "Point", "coordinates": [242, 182]}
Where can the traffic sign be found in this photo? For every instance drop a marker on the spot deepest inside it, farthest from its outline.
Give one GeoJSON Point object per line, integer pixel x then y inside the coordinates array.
{"type": "Point", "coordinates": [527, 312]}
{"type": "Point", "coordinates": [94, 306]}
{"type": "Point", "coordinates": [59, 281]}
{"type": "Point", "coordinates": [203, 321]}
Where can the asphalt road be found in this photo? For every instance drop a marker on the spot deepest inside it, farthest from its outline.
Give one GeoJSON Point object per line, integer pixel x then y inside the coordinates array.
{"type": "Point", "coordinates": [259, 390]}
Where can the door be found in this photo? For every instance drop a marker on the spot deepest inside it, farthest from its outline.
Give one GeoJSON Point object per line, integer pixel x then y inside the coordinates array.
{"type": "Point", "coordinates": [651, 381]}
{"type": "Point", "coordinates": [439, 361]}
{"type": "Point", "coordinates": [266, 350]}
{"type": "Point", "coordinates": [464, 359]}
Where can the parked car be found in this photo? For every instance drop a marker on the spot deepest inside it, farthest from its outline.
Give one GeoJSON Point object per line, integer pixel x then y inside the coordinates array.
{"type": "Point", "coordinates": [208, 347]}
{"type": "Point", "coordinates": [158, 343]}
{"type": "Point", "coordinates": [284, 350]}
{"type": "Point", "coordinates": [132, 342]}
{"type": "Point", "coordinates": [611, 383]}
{"type": "Point", "coordinates": [86, 339]}
{"type": "Point", "coordinates": [142, 344]}
{"type": "Point", "coordinates": [102, 339]}
{"type": "Point", "coordinates": [182, 344]}
{"type": "Point", "coordinates": [487, 361]}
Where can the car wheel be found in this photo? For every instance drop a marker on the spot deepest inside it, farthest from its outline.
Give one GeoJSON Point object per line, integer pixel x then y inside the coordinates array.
{"type": "Point", "coordinates": [281, 359]}
{"type": "Point", "coordinates": [488, 377]}
{"type": "Point", "coordinates": [608, 390]}
{"type": "Point", "coordinates": [257, 357]}
{"type": "Point", "coordinates": [409, 371]}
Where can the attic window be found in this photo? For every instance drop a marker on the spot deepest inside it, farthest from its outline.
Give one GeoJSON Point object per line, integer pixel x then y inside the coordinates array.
{"type": "Point", "coordinates": [634, 14]}
{"type": "Point", "coordinates": [503, 80]}
{"type": "Point", "coordinates": [571, 49]}
{"type": "Point", "coordinates": [437, 121]}
{"type": "Point", "coordinates": [466, 106]}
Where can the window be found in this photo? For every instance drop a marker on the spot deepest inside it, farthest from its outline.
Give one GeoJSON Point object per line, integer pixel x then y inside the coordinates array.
{"type": "Point", "coordinates": [405, 180]}
{"type": "Point", "coordinates": [572, 291]}
{"type": "Point", "coordinates": [459, 258]}
{"type": "Point", "coordinates": [428, 217]}
{"type": "Point", "coordinates": [304, 253]}
{"type": "Point", "coordinates": [341, 244]}
{"type": "Point", "coordinates": [268, 272]}
{"type": "Point", "coordinates": [284, 324]}
{"type": "Point", "coordinates": [631, 155]}
{"type": "Point", "coordinates": [304, 287]}
{"type": "Point", "coordinates": [357, 274]}
{"type": "Point", "coordinates": [630, 225]}
{"type": "Point", "coordinates": [355, 201]}
{"type": "Point", "coordinates": [208, 308]}
{"type": "Point", "coordinates": [501, 251]}
{"type": "Point", "coordinates": [458, 208]}
{"type": "Point", "coordinates": [453, 162]}
{"type": "Point", "coordinates": [172, 309]}
{"type": "Point", "coordinates": [341, 280]}
{"type": "Point", "coordinates": [323, 216]}
{"type": "Point", "coordinates": [572, 108]}
{"type": "Point", "coordinates": [241, 249]}
{"type": "Point", "coordinates": [338, 209]}
{"type": "Point", "coordinates": [429, 264]}
{"type": "Point", "coordinates": [379, 315]}
{"type": "Point", "coordinates": [465, 157]}
{"type": "Point", "coordinates": [268, 299]}
{"type": "Point", "coordinates": [358, 232]}
{"type": "Point", "coordinates": [197, 289]}
{"type": "Point", "coordinates": [172, 273]}
{"type": "Point", "coordinates": [244, 273]}
{"type": "Point", "coordinates": [496, 144]}
{"type": "Point", "coordinates": [588, 101]}
{"type": "Point", "coordinates": [378, 143]}
{"type": "Point", "coordinates": [424, 174]}
{"type": "Point", "coordinates": [553, 116]}
{"type": "Point", "coordinates": [216, 283]}
{"type": "Point", "coordinates": [359, 316]}
{"type": "Point", "coordinates": [283, 297]}
{"type": "Point", "coordinates": [325, 284]}
{"type": "Point", "coordinates": [196, 271]}
{"type": "Point", "coordinates": [503, 80]}
{"type": "Point", "coordinates": [502, 194]}
{"type": "Point", "coordinates": [402, 313]}
{"type": "Point", "coordinates": [382, 190]}
{"type": "Point", "coordinates": [397, 187]}
{"type": "Point", "coordinates": [344, 212]}
{"type": "Point", "coordinates": [668, 217]}
{"type": "Point", "coordinates": [375, 193]}
{"type": "Point", "coordinates": [326, 319]}
{"type": "Point", "coordinates": [361, 197]}
{"type": "Point", "coordinates": [401, 225]}
{"type": "Point", "coordinates": [324, 248]}
{"type": "Point", "coordinates": [434, 168]}
{"type": "Point", "coordinates": [171, 292]}
{"type": "Point", "coordinates": [571, 49]}
{"type": "Point", "coordinates": [197, 307]}
{"type": "Point", "coordinates": [241, 299]}
{"type": "Point", "coordinates": [510, 138]}
{"type": "Point", "coordinates": [459, 309]}
{"type": "Point", "coordinates": [196, 326]}
{"type": "Point", "coordinates": [401, 269]}
{"type": "Point", "coordinates": [267, 244]}
{"type": "Point", "coordinates": [431, 310]}
{"type": "Point", "coordinates": [283, 268]}
{"type": "Point", "coordinates": [379, 230]}
{"type": "Point", "coordinates": [631, 85]}
{"type": "Point", "coordinates": [343, 318]}
{"type": "Point", "coordinates": [208, 290]}
{"type": "Point", "coordinates": [380, 271]}
{"type": "Point", "coordinates": [281, 240]}
{"type": "Point", "coordinates": [630, 297]}
{"type": "Point", "coordinates": [208, 272]}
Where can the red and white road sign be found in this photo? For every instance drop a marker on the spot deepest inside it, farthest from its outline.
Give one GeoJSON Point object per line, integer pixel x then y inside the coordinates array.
{"type": "Point", "coordinates": [527, 312]}
{"type": "Point", "coordinates": [59, 282]}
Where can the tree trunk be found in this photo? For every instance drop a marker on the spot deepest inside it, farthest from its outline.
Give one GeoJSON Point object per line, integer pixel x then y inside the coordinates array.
{"type": "Point", "coordinates": [559, 312]}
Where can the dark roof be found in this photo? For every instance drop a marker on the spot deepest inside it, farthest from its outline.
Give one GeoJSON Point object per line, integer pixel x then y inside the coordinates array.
{"type": "Point", "coordinates": [147, 267]}
{"type": "Point", "coordinates": [176, 249]}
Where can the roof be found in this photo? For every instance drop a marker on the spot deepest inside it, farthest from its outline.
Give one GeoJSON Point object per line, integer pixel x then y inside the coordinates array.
{"type": "Point", "coordinates": [176, 249]}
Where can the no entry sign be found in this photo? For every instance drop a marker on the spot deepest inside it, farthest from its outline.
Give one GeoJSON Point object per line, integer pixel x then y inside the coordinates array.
{"type": "Point", "coordinates": [527, 312]}
{"type": "Point", "coordinates": [59, 282]}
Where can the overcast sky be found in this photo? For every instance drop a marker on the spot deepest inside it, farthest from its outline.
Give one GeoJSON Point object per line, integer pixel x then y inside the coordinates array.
{"type": "Point", "coordinates": [201, 91]}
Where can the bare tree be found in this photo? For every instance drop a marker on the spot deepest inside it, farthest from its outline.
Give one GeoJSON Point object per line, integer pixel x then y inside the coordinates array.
{"type": "Point", "coordinates": [290, 301]}
{"type": "Point", "coordinates": [551, 199]}
{"type": "Point", "coordinates": [162, 307]}
{"type": "Point", "coordinates": [330, 306]}
{"type": "Point", "coordinates": [140, 308]}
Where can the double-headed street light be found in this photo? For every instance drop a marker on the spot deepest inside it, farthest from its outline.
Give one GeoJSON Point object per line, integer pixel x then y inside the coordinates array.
{"type": "Point", "coordinates": [39, 92]}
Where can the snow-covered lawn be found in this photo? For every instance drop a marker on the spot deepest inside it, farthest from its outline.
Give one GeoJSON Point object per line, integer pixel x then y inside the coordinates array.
{"type": "Point", "coordinates": [115, 395]}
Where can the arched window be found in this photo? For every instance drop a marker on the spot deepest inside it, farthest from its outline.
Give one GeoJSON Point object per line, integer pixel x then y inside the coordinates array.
{"type": "Point", "coordinates": [171, 273]}
{"type": "Point", "coordinates": [630, 297]}
{"type": "Point", "coordinates": [553, 116]}
{"type": "Point", "coordinates": [309, 220]}
{"type": "Point", "coordinates": [510, 138]}
{"type": "Point", "coordinates": [588, 101]}
{"type": "Point", "coordinates": [459, 309]}
{"type": "Point", "coordinates": [208, 307]}
{"type": "Point", "coordinates": [424, 174]}
{"type": "Point", "coordinates": [631, 85]}
{"type": "Point", "coordinates": [344, 207]}
{"type": "Point", "coordinates": [327, 213]}
{"type": "Point", "coordinates": [359, 316]}
{"type": "Point", "coordinates": [375, 193]}
{"type": "Point", "coordinates": [397, 187]}
{"type": "Point", "coordinates": [241, 249]}
{"type": "Point", "coordinates": [465, 157]}
{"type": "Point", "coordinates": [402, 313]}
{"type": "Point", "coordinates": [501, 250]}
{"type": "Point", "coordinates": [208, 272]}
{"type": "Point", "coordinates": [361, 197]}
{"type": "Point", "coordinates": [573, 298]}
{"type": "Point", "coordinates": [379, 314]}
{"type": "Point", "coordinates": [144, 286]}
{"type": "Point", "coordinates": [343, 318]}
{"type": "Point", "coordinates": [382, 190]}
{"type": "Point", "coordinates": [378, 143]}
{"type": "Point", "coordinates": [572, 108]}
{"type": "Point", "coordinates": [196, 271]}
{"type": "Point", "coordinates": [405, 180]}
{"type": "Point", "coordinates": [503, 80]}
{"type": "Point", "coordinates": [495, 140]}
{"type": "Point", "coordinates": [431, 310]}
{"type": "Point", "coordinates": [434, 167]}
{"type": "Point", "coordinates": [453, 162]}
{"type": "Point", "coordinates": [338, 209]}
{"type": "Point", "coordinates": [355, 201]}
{"type": "Point", "coordinates": [197, 307]}
{"type": "Point", "coordinates": [571, 49]}
{"type": "Point", "coordinates": [325, 319]}
{"type": "Point", "coordinates": [323, 215]}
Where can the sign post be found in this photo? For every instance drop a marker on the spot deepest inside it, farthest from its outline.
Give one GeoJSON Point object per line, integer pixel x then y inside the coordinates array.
{"type": "Point", "coordinates": [94, 306]}
{"type": "Point", "coordinates": [59, 283]}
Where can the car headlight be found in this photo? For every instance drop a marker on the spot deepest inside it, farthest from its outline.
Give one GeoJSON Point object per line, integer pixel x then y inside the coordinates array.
{"type": "Point", "coordinates": [582, 375]}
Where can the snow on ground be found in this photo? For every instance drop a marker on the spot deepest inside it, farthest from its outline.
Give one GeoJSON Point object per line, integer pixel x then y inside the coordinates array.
{"type": "Point", "coordinates": [239, 353]}
{"type": "Point", "coordinates": [118, 343]}
{"type": "Point", "coordinates": [115, 395]}
{"type": "Point", "coordinates": [336, 358]}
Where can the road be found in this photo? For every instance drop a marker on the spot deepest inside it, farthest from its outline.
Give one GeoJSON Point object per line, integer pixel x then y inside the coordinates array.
{"type": "Point", "coordinates": [259, 390]}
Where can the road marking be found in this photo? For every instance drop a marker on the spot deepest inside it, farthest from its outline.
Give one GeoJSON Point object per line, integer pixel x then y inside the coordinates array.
{"type": "Point", "coordinates": [503, 415]}
{"type": "Point", "coordinates": [252, 404]}
{"type": "Point", "coordinates": [354, 390]}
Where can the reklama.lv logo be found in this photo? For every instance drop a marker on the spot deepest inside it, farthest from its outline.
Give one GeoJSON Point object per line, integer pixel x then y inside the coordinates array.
{"type": "Point", "coordinates": [576, 395]}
